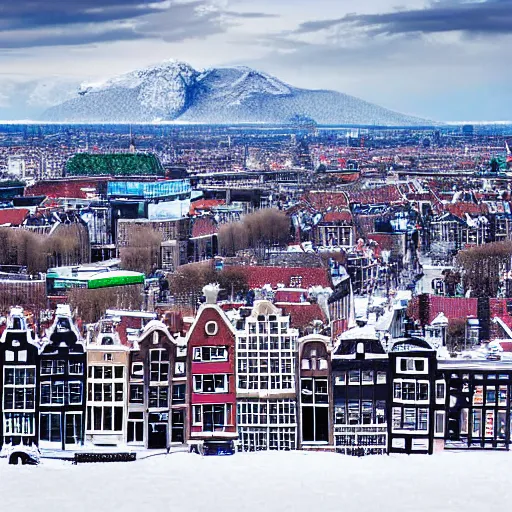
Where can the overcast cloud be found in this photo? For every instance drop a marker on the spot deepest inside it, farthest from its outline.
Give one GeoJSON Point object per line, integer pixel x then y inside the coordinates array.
{"type": "Point", "coordinates": [443, 59]}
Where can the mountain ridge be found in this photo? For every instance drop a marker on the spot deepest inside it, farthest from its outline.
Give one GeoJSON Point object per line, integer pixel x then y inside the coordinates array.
{"type": "Point", "coordinates": [174, 91]}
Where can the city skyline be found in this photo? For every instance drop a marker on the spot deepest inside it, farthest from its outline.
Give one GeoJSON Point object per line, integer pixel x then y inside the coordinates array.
{"type": "Point", "coordinates": [438, 60]}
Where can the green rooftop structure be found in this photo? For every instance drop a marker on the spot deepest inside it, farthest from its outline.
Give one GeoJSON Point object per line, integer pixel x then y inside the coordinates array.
{"type": "Point", "coordinates": [60, 279]}
{"type": "Point", "coordinates": [114, 164]}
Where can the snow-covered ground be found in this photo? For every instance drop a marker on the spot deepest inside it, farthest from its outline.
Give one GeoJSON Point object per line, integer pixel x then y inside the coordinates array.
{"type": "Point", "coordinates": [265, 482]}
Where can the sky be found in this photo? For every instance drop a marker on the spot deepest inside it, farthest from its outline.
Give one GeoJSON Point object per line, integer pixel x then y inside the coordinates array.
{"type": "Point", "coordinates": [445, 60]}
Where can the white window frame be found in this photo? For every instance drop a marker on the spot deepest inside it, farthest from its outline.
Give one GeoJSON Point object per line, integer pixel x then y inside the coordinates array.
{"type": "Point", "coordinates": [413, 360]}
{"type": "Point", "coordinates": [214, 328]}
{"type": "Point", "coordinates": [443, 399]}
{"type": "Point", "coordinates": [439, 414]}
{"type": "Point", "coordinates": [198, 383]}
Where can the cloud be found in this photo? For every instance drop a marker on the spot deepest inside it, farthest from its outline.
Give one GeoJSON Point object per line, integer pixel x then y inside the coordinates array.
{"type": "Point", "coordinates": [29, 24]}
{"type": "Point", "coordinates": [23, 15]}
{"type": "Point", "coordinates": [471, 17]}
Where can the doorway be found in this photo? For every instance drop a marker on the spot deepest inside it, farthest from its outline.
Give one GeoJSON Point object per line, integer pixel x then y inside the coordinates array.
{"type": "Point", "coordinates": [157, 430]}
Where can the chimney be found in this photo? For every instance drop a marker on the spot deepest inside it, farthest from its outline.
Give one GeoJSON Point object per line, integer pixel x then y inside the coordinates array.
{"type": "Point", "coordinates": [211, 292]}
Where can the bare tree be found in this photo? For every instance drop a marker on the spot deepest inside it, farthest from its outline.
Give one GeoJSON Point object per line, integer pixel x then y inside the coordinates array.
{"type": "Point", "coordinates": [142, 252]}
{"type": "Point", "coordinates": [483, 267]}
{"type": "Point", "coordinates": [91, 305]}
{"type": "Point", "coordinates": [258, 231]}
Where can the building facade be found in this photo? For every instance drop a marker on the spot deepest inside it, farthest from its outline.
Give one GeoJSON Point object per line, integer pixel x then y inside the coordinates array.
{"type": "Point", "coordinates": [62, 378]}
{"type": "Point", "coordinates": [107, 386]}
{"type": "Point", "coordinates": [150, 388]}
{"type": "Point", "coordinates": [266, 348]}
{"type": "Point", "coordinates": [360, 386]}
{"type": "Point", "coordinates": [315, 390]}
{"type": "Point", "coordinates": [211, 378]}
{"type": "Point", "coordinates": [19, 382]}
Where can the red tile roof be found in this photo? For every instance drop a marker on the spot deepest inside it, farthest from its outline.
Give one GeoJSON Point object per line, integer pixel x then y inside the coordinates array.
{"type": "Point", "coordinates": [388, 194]}
{"type": "Point", "coordinates": [460, 209]}
{"type": "Point", "coordinates": [204, 226]}
{"type": "Point", "coordinates": [259, 276]}
{"type": "Point", "coordinates": [63, 188]}
{"type": "Point", "coordinates": [302, 315]}
{"type": "Point", "coordinates": [204, 204]}
{"type": "Point", "coordinates": [426, 307]}
{"type": "Point", "coordinates": [321, 201]}
{"type": "Point", "coordinates": [343, 216]}
{"type": "Point", "coordinates": [13, 216]}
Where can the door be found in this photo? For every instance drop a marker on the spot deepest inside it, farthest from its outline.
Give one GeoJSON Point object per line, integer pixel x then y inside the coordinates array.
{"type": "Point", "coordinates": [157, 430]}
{"type": "Point", "coordinates": [74, 428]}
{"type": "Point", "coordinates": [178, 426]}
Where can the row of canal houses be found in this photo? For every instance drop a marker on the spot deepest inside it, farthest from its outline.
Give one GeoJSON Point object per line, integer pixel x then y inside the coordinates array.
{"type": "Point", "coordinates": [243, 377]}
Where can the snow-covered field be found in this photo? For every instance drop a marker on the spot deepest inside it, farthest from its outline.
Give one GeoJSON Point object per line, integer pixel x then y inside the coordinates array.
{"type": "Point", "coordinates": [265, 482]}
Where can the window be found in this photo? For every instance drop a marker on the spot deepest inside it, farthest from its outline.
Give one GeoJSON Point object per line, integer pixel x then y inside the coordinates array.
{"type": "Point", "coordinates": [159, 397]}
{"type": "Point", "coordinates": [179, 368]}
{"type": "Point", "coordinates": [16, 398]}
{"type": "Point", "coordinates": [159, 365]}
{"type": "Point", "coordinates": [341, 379]}
{"type": "Point", "coordinates": [138, 370]}
{"type": "Point", "coordinates": [353, 412]}
{"type": "Point", "coordinates": [105, 419]}
{"type": "Point", "coordinates": [478, 395]}
{"type": "Point", "coordinates": [422, 392]}
{"type": "Point", "coordinates": [412, 365]}
{"type": "Point", "coordinates": [52, 393]}
{"type": "Point", "coordinates": [367, 376]}
{"type": "Point", "coordinates": [178, 393]}
{"type": "Point", "coordinates": [75, 392]}
{"type": "Point", "coordinates": [135, 426]}
{"type": "Point", "coordinates": [339, 415]}
{"type": "Point", "coordinates": [422, 419]}
{"type": "Point", "coordinates": [464, 417]}
{"type": "Point", "coordinates": [108, 357]}
{"type": "Point", "coordinates": [49, 427]}
{"type": "Point", "coordinates": [75, 368]}
{"type": "Point", "coordinates": [211, 328]}
{"type": "Point", "coordinates": [409, 422]}
{"type": "Point", "coordinates": [205, 354]}
{"type": "Point", "coordinates": [397, 390]}
{"type": "Point", "coordinates": [408, 391]}
{"type": "Point", "coordinates": [19, 424]}
{"type": "Point", "coordinates": [440, 392]}
{"type": "Point", "coordinates": [380, 412]}
{"type": "Point", "coordinates": [213, 418]}
{"type": "Point", "coordinates": [367, 409]}
{"type": "Point", "coordinates": [476, 428]}
{"type": "Point", "coordinates": [502, 396]}
{"type": "Point", "coordinates": [490, 395]}
{"type": "Point", "coordinates": [354, 377]}
{"type": "Point", "coordinates": [136, 393]}
{"type": "Point", "coordinates": [381, 377]}
{"type": "Point", "coordinates": [439, 423]}
{"type": "Point", "coordinates": [210, 383]}
{"type": "Point", "coordinates": [53, 367]}
{"type": "Point", "coordinates": [396, 414]}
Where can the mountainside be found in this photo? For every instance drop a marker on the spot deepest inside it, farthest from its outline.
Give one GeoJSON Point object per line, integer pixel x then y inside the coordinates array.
{"type": "Point", "coordinates": [175, 91]}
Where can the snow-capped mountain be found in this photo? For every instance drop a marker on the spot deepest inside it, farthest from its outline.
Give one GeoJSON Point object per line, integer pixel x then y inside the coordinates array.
{"type": "Point", "coordinates": [175, 91]}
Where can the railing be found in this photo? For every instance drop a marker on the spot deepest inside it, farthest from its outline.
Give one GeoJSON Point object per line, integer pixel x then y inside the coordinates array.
{"type": "Point", "coordinates": [81, 457]}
